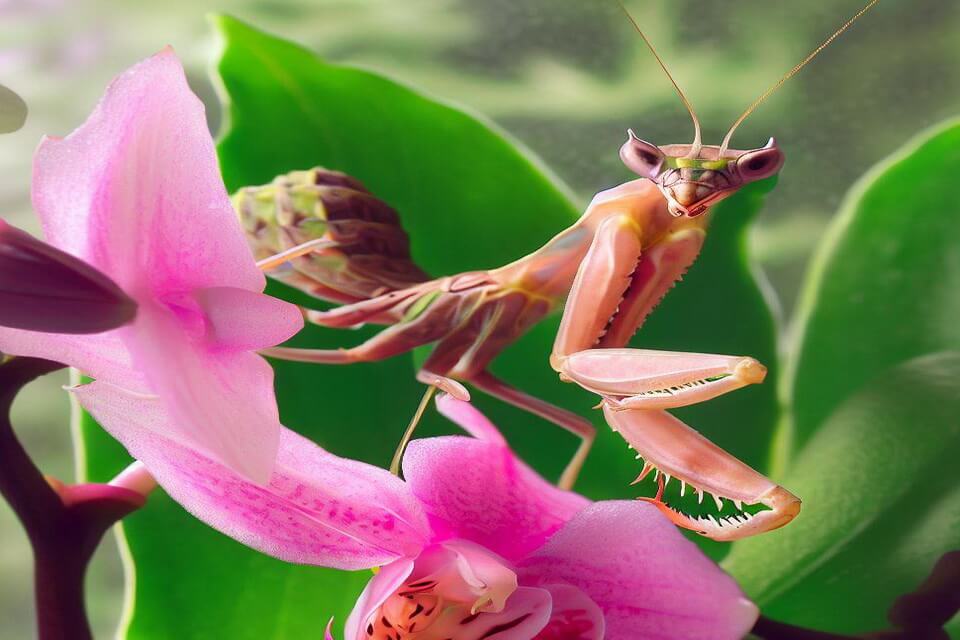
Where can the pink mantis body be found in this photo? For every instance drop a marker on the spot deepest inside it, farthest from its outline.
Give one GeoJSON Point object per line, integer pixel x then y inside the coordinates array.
{"type": "Point", "coordinates": [612, 267]}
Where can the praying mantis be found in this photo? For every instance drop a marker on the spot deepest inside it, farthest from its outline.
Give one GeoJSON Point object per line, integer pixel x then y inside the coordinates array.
{"type": "Point", "coordinates": [327, 235]}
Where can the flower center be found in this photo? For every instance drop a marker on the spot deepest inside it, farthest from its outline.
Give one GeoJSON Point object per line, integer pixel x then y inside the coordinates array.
{"type": "Point", "coordinates": [455, 587]}
{"type": "Point", "coordinates": [189, 314]}
{"type": "Point", "coordinates": [405, 614]}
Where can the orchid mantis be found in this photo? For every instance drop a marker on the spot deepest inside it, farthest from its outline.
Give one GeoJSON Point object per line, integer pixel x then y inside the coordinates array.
{"type": "Point", "coordinates": [330, 237]}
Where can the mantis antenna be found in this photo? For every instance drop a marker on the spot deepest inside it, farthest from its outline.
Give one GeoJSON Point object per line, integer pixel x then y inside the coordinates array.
{"type": "Point", "coordinates": [766, 94]}
{"type": "Point", "coordinates": [695, 147]}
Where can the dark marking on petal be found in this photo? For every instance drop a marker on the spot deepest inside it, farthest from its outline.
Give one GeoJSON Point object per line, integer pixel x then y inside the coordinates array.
{"type": "Point", "coordinates": [506, 626]}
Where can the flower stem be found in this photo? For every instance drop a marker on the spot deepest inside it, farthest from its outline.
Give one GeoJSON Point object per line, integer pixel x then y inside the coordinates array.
{"type": "Point", "coordinates": [64, 523]}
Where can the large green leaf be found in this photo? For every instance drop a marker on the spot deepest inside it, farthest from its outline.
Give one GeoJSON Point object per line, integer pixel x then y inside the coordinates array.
{"type": "Point", "coordinates": [884, 287]}
{"type": "Point", "coordinates": [881, 490]}
{"type": "Point", "coordinates": [469, 200]}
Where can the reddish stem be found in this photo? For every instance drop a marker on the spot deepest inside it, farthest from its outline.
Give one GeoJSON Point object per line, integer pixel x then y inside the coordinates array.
{"type": "Point", "coordinates": [64, 525]}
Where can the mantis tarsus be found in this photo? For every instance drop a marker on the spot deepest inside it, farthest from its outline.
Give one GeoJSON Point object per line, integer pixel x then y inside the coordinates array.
{"type": "Point", "coordinates": [339, 243]}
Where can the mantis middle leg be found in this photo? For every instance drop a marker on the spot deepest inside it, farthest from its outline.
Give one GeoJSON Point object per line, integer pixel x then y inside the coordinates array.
{"type": "Point", "coordinates": [473, 318]}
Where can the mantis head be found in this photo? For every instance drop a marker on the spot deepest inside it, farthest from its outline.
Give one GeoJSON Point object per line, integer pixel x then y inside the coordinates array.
{"type": "Point", "coordinates": [692, 180]}
{"type": "Point", "coordinates": [692, 177]}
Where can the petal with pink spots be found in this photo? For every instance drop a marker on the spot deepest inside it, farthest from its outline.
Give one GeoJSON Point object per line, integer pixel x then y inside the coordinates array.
{"type": "Point", "coordinates": [317, 508]}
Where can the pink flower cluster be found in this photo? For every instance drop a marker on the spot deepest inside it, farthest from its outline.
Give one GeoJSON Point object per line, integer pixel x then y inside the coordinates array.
{"type": "Point", "coordinates": [472, 545]}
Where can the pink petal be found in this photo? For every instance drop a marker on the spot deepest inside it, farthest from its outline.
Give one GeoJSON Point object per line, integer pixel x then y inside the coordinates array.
{"type": "Point", "coordinates": [480, 491]}
{"type": "Point", "coordinates": [136, 190]}
{"type": "Point", "coordinates": [317, 509]}
{"type": "Point", "coordinates": [246, 320]}
{"type": "Point", "coordinates": [574, 615]}
{"type": "Point", "coordinates": [526, 613]}
{"type": "Point", "coordinates": [648, 579]}
{"type": "Point", "coordinates": [219, 401]}
{"type": "Point", "coordinates": [381, 586]}
{"type": "Point", "coordinates": [100, 355]}
{"type": "Point", "coordinates": [468, 418]}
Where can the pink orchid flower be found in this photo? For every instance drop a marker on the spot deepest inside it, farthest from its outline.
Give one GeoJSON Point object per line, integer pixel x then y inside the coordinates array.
{"type": "Point", "coordinates": [136, 193]}
{"type": "Point", "coordinates": [473, 545]}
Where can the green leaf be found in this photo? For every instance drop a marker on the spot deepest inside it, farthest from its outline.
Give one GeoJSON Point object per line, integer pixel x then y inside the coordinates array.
{"type": "Point", "coordinates": [881, 490]}
{"type": "Point", "coordinates": [470, 199]}
{"type": "Point", "coordinates": [883, 288]}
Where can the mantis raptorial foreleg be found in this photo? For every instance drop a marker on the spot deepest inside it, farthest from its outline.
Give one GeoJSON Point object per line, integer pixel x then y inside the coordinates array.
{"type": "Point", "coordinates": [679, 452]}
{"type": "Point", "coordinates": [649, 379]}
{"type": "Point", "coordinates": [619, 281]}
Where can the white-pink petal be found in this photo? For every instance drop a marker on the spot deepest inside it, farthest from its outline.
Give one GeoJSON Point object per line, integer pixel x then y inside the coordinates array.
{"type": "Point", "coordinates": [222, 401]}
{"type": "Point", "coordinates": [648, 579]}
{"type": "Point", "coordinates": [101, 355]}
{"type": "Point", "coordinates": [136, 190]}
{"type": "Point", "coordinates": [316, 509]}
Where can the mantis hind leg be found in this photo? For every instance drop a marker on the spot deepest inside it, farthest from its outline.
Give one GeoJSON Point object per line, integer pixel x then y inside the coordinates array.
{"type": "Point", "coordinates": [581, 427]}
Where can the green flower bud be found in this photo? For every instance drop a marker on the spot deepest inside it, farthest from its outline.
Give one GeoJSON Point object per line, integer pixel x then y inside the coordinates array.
{"type": "Point", "coordinates": [368, 254]}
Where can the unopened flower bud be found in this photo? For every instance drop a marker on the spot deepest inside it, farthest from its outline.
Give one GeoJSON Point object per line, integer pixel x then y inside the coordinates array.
{"type": "Point", "coordinates": [368, 251]}
{"type": "Point", "coordinates": [44, 289]}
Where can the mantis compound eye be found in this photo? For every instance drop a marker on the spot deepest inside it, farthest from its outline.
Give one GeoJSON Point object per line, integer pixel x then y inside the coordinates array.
{"type": "Point", "coordinates": [762, 163]}
{"type": "Point", "coordinates": [641, 157]}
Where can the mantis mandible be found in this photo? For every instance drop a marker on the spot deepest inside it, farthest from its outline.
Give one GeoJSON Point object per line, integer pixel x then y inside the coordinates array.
{"type": "Point", "coordinates": [327, 235]}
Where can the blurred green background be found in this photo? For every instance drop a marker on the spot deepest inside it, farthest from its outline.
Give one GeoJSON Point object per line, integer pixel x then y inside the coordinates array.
{"type": "Point", "coordinates": [565, 77]}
